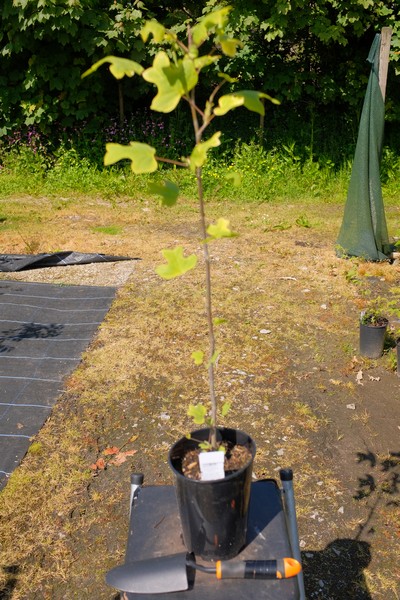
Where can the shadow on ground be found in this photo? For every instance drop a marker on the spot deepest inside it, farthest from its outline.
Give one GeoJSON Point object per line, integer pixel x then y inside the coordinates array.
{"type": "Point", "coordinates": [28, 331]}
{"type": "Point", "coordinates": [324, 571]}
{"type": "Point", "coordinates": [11, 573]}
{"type": "Point", "coordinates": [337, 572]}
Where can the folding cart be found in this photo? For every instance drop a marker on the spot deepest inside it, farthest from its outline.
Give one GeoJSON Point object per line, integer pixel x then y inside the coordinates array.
{"type": "Point", "coordinates": [155, 535]}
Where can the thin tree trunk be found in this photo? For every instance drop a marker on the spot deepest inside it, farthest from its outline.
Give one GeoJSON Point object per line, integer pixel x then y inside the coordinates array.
{"type": "Point", "coordinates": [211, 336]}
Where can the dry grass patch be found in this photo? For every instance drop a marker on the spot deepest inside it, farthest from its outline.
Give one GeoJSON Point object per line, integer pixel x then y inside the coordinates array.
{"type": "Point", "coordinates": [290, 313]}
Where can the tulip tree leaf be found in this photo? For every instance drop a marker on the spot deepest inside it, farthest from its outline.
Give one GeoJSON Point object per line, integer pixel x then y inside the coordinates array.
{"type": "Point", "coordinates": [248, 98]}
{"type": "Point", "coordinates": [219, 321]}
{"type": "Point", "coordinates": [172, 80]}
{"type": "Point", "coordinates": [225, 408]}
{"type": "Point", "coordinates": [205, 61]}
{"type": "Point", "coordinates": [217, 19]}
{"type": "Point", "coordinates": [229, 45]}
{"type": "Point", "coordinates": [168, 191]}
{"type": "Point", "coordinates": [142, 156]}
{"type": "Point", "coordinates": [199, 154]}
{"type": "Point", "coordinates": [177, 264]}
{"type": "Point", "coordinates": [220, 230]}
{"type": "Point", "coordinates": [198, 357]}
{"type": "Point", "coordinates": [214, 358]}
{"type": "Point", "coordinates": [119, 67]}
{"type": "Point", "coordinates": [193, 51]}
{"type": "Point", "coordinates": [153, 28]}
{"type": "Point", "coordinates": [206, 446]}
{"type": "Point", "coordinates": [234, 177]}
{"type": "Point", "coordinates": [228, 78]}
{"type": "Point", "coordinates": [198, 413]}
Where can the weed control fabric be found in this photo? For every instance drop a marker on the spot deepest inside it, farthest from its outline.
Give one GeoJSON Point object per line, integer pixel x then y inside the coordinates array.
{"type": "Point", "coordinates": [44, 329]}
{"type": "Point", "coordinates": [22, 262]}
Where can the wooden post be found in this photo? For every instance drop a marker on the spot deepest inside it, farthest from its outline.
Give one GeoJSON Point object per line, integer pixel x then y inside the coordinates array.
{"type": "Point", "coordinates": [386, 35]}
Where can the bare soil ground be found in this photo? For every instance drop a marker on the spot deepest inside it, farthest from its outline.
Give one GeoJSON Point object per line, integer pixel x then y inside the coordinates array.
{"type": "Point", "coordinates": [289, 363]}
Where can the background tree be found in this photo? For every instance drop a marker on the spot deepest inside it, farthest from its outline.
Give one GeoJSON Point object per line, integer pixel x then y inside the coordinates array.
{"type": "Point", "coordinates": [45, 47]}
{"type": "Point", "coordinates": [311, 55]}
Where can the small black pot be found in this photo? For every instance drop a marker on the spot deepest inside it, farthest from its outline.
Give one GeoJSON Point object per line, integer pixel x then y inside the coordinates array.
{"type": "Point", "coordinates": [213, 513]}
{"type": "Point", "coordinates": [372, 339]}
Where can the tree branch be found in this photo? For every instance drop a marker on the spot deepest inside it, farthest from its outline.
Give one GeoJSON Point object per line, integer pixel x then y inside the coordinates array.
{"type": "Point", "coordinates": [170, 161]}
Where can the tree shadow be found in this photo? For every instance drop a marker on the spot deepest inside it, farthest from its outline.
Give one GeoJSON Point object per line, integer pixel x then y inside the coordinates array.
{"type": "Point", "coordinates": [380, 485]}
{"type": "Point", "coordinates": [27, 331]}
{"type": "Point", "coordinates": [337, 572]}
{"type": "Point", "coordinates": [11, 573]}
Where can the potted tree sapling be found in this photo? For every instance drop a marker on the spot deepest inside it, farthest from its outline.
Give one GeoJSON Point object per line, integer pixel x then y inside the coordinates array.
{"type": "Point", "coordinates": [213, 465]}
{"type": "Point", "coordinates": [373, 326]}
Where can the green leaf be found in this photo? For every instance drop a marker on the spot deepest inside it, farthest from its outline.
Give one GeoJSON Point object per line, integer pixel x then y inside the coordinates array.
{"type": "Point", "coordinates": [225, 408]}
{"type": "Point", "coordinates": [205, 446]}
{"type": "Point", "coordinates": [205, 61]}
{"type": "Point", "coordinates": [153, 28]}
{"type": "Point", "coordinates": [172, 80]}
{"type": "Point", "coordinates": [217, 19]}
{"type": "Point", "coordinates": [198, 357]}
{"type": "Point", "coordinates": [177, 264]}
{"type": "Point", "coordinates": [229, 45]}
{"type": "Point", "coordinates": [248, 98]}
{"type": "Point", "coordinates": [193, 51]}
{"type": "Point", "coordinates": [198, 413]}
{"type": "Point", "coordinates": [219, 321]}
{"type": "Point", "coordinates": [235, 177]}
{"type": "Point", "coordinates": [199, 154]}
{"type": "Point", "coordinates": [220, 230]}
{"type": "Point", "coordinates": [214, 358]}
{"type": "Point", "coordinates": [228, 78]}
{"type": "Point", "coordinates": [119, 67]}
{"type": "Point", "coordinates": [141, 156]}
{"type": "Point", "coordinates": [168, 191]}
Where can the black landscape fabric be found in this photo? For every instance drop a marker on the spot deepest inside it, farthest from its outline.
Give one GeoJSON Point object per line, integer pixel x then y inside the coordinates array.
{"type": "Point", "coordinates": [23, 262]}
{"type": "Point", "coordinates": [44, 329]}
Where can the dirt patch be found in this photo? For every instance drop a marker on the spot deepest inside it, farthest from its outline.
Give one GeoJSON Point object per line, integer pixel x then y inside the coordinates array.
{"type": "Point", "coordinates": [289, 364]}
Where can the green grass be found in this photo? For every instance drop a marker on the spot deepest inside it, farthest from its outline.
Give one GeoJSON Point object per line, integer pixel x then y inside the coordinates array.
{"type": "Point", "coordinates": [278, 175]}
{"type": "Point", "coordinates": [108, 230]}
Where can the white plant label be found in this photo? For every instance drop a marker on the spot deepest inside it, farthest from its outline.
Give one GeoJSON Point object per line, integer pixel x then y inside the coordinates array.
{"type": "Point", "coordinates": [211, 465]}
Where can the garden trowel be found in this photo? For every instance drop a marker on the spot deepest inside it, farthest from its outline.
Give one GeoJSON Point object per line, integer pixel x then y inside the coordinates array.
{"type": "Point", "coordinates": [151, 576]}
{"type": "Point", "coordinates": [170, 573]}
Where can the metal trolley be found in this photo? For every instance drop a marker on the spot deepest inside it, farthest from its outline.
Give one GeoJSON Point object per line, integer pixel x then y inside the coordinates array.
{"type": "Point", "coordinates": [157, 566]}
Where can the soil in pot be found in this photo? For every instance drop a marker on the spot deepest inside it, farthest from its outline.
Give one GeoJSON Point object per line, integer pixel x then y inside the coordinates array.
{"type": "Point", "coordinates": [375, 321]}
{"type": "Point", "coordinates": [236, 457]}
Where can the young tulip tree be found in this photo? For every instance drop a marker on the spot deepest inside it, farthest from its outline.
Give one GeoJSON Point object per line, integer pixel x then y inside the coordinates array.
{"type": "Point", "coordinates": [176, 74]}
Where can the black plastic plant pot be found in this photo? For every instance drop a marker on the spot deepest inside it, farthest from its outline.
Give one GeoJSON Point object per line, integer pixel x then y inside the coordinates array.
{"type": "Point", "coordinates": [213, 513]}
{"type": "Point", "coordinates": [372, 340]}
